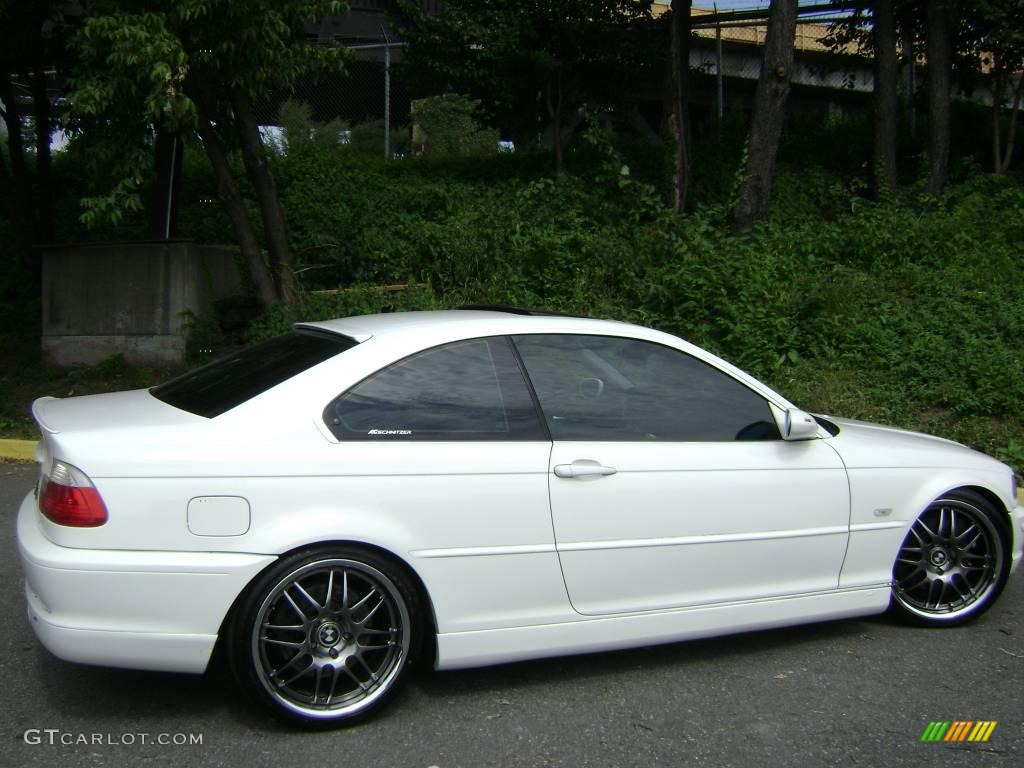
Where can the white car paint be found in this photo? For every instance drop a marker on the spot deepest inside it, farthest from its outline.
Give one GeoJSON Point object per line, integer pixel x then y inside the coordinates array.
{"type": "Point", "coordinates": [683, 541]}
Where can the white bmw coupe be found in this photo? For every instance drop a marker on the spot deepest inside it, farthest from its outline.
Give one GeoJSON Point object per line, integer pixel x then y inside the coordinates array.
{"type": "Point", "coordinates": [479, 486]}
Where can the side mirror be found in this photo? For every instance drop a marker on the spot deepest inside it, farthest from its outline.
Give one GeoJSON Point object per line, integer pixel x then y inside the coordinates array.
{"type": "Point", "coordinates": [795, 424]}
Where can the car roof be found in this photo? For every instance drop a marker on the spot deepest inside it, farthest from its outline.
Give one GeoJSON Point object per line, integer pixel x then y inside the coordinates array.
{"type": "Point", "coordinates": [482, 322]}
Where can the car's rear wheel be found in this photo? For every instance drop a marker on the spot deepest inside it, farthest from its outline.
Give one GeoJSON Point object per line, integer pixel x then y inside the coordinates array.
{"type": "Point", "coordinates": [953, 562]}
{"type": "Point", "coordinates": [326, 637]}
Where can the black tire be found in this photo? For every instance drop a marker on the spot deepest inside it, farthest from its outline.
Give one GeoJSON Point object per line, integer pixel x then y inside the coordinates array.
{"type": "Point", "coordinates": [356, 642]}
{"type": "Point", "coordinates": [953, 563]}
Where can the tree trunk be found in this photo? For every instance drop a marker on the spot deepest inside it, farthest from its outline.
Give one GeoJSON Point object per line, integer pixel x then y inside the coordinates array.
{"type": "Point", "coordinates": [940, 67]}
{"type": "Point", "coordinates": [44, 193]}
{"type": "Point", "coordinates": [998, 93]}
{"type": "Point", "coordinates": [885, 99]}
{"type": "Point", "coordinates": [6, 191]}
{"type": "Point", "coordinates": [679, 81]}
{"type": "Point", "coordinates": [231, 198]}
{"type": "Point", "coordinates": [274, 230]}
{"type": "Point", "coordinates": [1012, 130]}
{"type": "Point", "coordinates": [554, 107]}
{"type": "Point", "coordinates": [1001, 156]}
{"type": "Point", "coordinates": [167, 156]}
{"type": "Point", "coordinates": [23, 215]}
{"type": "Point", "coordinates": [769, 114]}
{"type": "Point", "coordinates": [909, 82]}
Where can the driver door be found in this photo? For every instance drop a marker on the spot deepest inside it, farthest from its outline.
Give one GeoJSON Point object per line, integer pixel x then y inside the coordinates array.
{"type": "Point", "coordinates": [670, 485]}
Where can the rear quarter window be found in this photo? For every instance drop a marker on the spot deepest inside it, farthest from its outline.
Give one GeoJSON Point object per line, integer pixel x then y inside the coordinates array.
{"type": "Point", "coordinates": [227, 383]}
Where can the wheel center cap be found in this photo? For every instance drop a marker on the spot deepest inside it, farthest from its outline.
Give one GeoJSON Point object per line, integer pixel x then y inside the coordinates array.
{"type": "Point", "coordinates": [329, 634]}
{"type": "Point", "coordinates": [939, 557]}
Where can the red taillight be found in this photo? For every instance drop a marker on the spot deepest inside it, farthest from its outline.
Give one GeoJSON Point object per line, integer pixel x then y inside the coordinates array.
{"type": "Point", "coordinates": [68, 497]}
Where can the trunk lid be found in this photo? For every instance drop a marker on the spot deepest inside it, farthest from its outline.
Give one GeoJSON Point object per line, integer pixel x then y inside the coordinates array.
{"type": "Point", "coordinates": [134, 409]}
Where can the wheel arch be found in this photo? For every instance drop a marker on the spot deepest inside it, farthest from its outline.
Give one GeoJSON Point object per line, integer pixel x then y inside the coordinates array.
{"type": "Point", "coordinates": [1003, 521]}
{"type": "Point", "coordinates": [429, 650]}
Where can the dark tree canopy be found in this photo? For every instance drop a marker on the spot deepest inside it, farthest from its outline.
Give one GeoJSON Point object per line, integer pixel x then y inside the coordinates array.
{"type": "Point", "coordinates": [197, 66]}
{"type": "Point", "coordinates": [529, 62]}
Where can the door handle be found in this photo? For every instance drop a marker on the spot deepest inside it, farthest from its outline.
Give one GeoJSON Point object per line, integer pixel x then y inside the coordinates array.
{"type": "Point", "coordinates": [583, 468]}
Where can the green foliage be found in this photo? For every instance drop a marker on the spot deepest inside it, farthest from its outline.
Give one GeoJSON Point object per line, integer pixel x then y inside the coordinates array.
{"type": "Point", "coordinates": [527, 60]}
{"type": "Point", "coordinates": [367, 138]}
{"type": "Point", "coordinates": [23, 378]}
{"type": "Point", "coordinates": [449, 125]}
{"type": "Point", "coordinates": [139, 69]}
{"type": "Point", "coordinates": [299, 129]}
{"type": "Point", "coordinates": [204, 338]}
{"type": "Point", "coordinates": [345, 302]}
{"type": "Point", "coordinates": [1013, 454]}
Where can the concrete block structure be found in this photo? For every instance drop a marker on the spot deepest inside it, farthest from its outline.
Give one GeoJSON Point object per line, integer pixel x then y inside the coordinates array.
{"type": "Point", "coordinates": [129, 298]}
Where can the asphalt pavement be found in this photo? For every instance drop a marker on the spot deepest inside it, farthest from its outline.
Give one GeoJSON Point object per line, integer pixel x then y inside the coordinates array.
{"type": "Point", "coordinates": [850, 693]}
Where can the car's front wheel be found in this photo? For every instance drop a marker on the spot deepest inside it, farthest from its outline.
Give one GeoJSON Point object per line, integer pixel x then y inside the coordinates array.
{"type": "Point", "coordinates": [326, 637]}
{"type": "Point", "coordinates": [953, 562]}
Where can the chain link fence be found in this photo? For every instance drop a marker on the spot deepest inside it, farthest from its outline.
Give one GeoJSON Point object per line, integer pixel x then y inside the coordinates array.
{"type": "Point", "coordinates": [369, 100]}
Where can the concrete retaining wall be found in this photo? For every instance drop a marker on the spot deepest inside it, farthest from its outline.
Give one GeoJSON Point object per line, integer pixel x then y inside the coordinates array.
{"type": "Point", "coordinates": [102, 299]}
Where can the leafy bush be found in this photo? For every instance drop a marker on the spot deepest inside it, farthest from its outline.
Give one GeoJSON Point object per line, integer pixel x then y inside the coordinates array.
{"type": "Point", "coordinates": [357, 300]}
{"type": "Point", "coordinates": [449, 125]}
{"type": "Point", "coordinates": [299, 129]}
{"type": "Point", "coordinates": [367, 137]}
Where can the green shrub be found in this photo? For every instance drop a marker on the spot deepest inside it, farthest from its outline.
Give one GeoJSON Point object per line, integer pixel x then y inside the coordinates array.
{"type": "Point", "coordinates": [449, 125]}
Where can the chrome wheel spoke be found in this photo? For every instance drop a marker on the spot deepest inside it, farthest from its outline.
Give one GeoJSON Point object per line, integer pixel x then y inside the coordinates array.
{"type": "Point", "coordinates": [358, 657]}
{"type": "Point", "coordinates": [284, 627]}
{"type": "Point", "coordinates": [362, 601]}
{"type": "Point", "coordinates": [307, 596]}
{"type": "Point", "coordinates": [318, 678]}
{"type": "Point", "coordinates": [975, 568]}
{"type": "Point", "coordinates": [371, 612]}
{"type": "Point", "coordinates": [294, 606]}
{"type": "Point", "coordinates": [277, 672]}
{"type": "Point", "coordinates": [911, 587]}
{"type": "Point", "coordinates": [959, 538]}
{"type": "Point", "coordinates": [297, 675]}
{"type": "Point", "coordinates": [354, 678]}
{"type": "Point", "coordinates": [283, 643]}
{"type": "Point", "coordinates": [931, 535]}
{"type": "Point", "coordinates": [335, 672]}
{"type": "Point", "coordinates": [972, 543]}
{"type": "Point", "coordinates": [389, 632]}
{"type": "Point", "coordinates": [330, 588]}
{"type": "Point", "coordinates": [953, 583]}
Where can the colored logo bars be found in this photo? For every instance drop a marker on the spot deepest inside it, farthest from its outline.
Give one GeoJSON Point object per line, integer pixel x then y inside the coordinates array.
{"type": "Point", "coordinates": [958, 730]}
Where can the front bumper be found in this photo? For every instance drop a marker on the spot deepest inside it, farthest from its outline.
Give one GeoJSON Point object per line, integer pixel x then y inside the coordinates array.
{"type": "Point", "coordinates": [134, 609]}
{"type": "Point", "coordinates": [1017, 524]}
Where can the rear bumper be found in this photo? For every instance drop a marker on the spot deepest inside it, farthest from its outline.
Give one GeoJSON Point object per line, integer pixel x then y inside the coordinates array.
{"type": "Point", "coordinates": [140, 610]}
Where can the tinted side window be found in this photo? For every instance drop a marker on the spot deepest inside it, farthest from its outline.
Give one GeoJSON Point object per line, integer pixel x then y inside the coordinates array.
{"type": "Point", "coordinates": [468, 390]}
{"type": "Point", "coordinates": [607, 388]}
{"type": "Point", "coordinates": [223, 384]}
